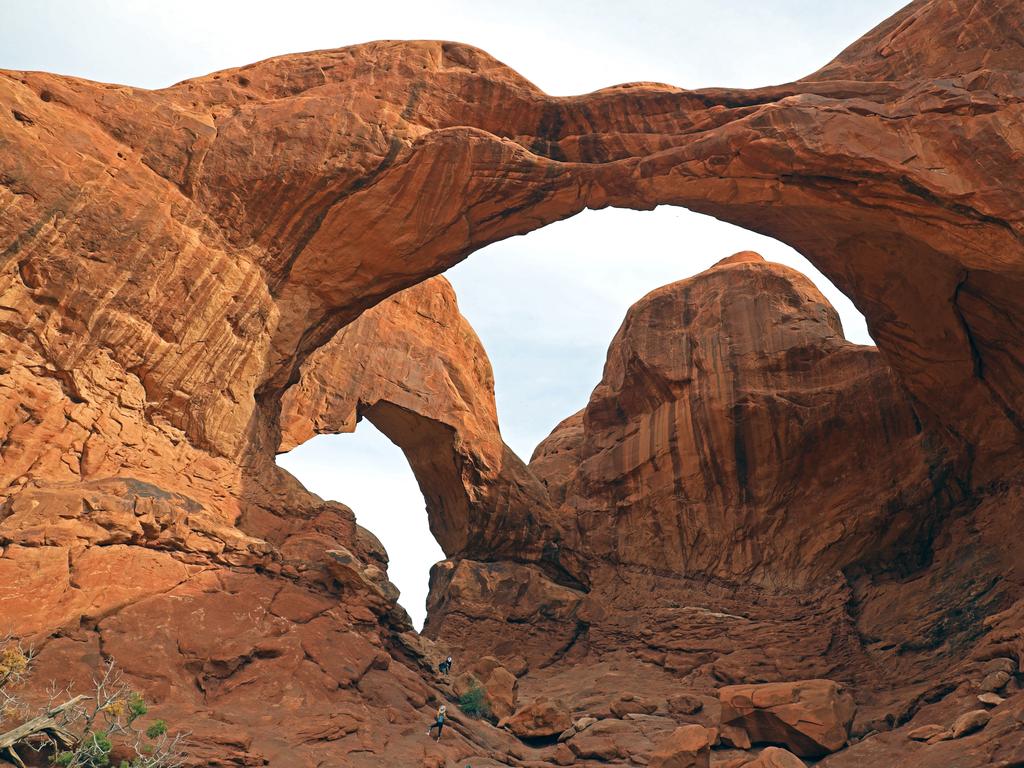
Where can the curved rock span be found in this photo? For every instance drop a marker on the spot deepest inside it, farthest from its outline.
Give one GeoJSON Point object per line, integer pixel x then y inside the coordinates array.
{"type": "Point", "coordinates": [197, 277]}
{"type": "Point", "coordinates": [415, 368]}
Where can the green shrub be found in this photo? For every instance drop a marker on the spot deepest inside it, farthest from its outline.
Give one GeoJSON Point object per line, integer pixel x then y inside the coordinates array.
{"type": "Point", "coordinates": [158, 728]}
{"type": "Point", "coordinates": [136, 707]}
{"type": "Point", "coordinates": [93, 751]}
{"type": "Point", "coordinates": [474, 701]}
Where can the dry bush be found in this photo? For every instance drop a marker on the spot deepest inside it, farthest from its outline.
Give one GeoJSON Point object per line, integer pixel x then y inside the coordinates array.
{"type": "Point", "coordinates": [83, 730]}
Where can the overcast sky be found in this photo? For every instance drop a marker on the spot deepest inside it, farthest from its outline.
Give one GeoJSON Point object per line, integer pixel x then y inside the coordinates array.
{"type": "Point", "coordinates": [547, 304]}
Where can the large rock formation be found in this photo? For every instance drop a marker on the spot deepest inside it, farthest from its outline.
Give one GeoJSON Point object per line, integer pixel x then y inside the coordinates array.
{"type": "Point", "coordinates": [758, 502]}
{"type": "Point", "coordinates": [733, 411]}
{"type": "Point", "coordinates": [253, 198]}
{"type": "Point", "coordinates": [170, 261]}
{"type": "Point", "coordinates": [415, 368]}
{"type": "Point", "coordinates": [812, 717]}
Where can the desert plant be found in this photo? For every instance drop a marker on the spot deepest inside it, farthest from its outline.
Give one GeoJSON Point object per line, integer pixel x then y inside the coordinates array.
{"type": "Point", "coordinates": [474, 701]}
{"type": "Point", "coordinates": [15, 661]}
{"type": "Point", "coordinates": [79, 731]}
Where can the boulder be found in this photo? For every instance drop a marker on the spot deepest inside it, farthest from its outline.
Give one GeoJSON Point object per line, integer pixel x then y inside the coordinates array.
{"type": "Point", "coordinates": [734, 736]}
{"type": "Point", "coordinates": [578, 726]}
{"type": "Point", "coordinates": [999, 664]}
{"type": "Point", "coordinates": [464, 683]}
{"type": "Point", "coordinates": [501, 686]}
{"type": "Point", "coordinates": [538, 719]}
{"type": "Point", "coordinates": [583, 723]}
{"type": "Point", "coordinates": [685, 704]}
{"type": "Point", "coordinates": [563, 755]}
{"type": "Point", "coordinates": [774, 757]}
{"type": "Point", "coordinates": [925, 732]}
{"type": "Point", "coordinates": [498, 684]}
{"type": "Point", "coordinates": [991, 699]}
{"type": "Point", "coordinates": [612, 740]}
{"type": "Point", "coordinates": [994, 681]}
{"type": "Point", "coordinates": [811, 717]}
{"type": "Point", "coordinates": [731, 761]}
{"type": "Point", "coordinates": [630, 704]}
{"type": "Point", "coordinates": [354, 577]}
{"type": "Point", "coordinates": [969, 722]}
{"type": "Point", "coordinates": [688, 746]}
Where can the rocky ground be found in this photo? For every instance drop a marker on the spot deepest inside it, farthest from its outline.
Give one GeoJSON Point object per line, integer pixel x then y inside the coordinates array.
{"type": "Point", "coordinates": [758, 544]}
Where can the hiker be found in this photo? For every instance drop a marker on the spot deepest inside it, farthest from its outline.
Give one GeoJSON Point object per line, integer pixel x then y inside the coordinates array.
{"type": "Point", "coordinates": [445, 666]}
{"type": "Point", "coordinates": [439, 722]}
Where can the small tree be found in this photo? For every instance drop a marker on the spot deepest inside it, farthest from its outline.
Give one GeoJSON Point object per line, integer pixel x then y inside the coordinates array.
{"type": "Point", "coordinates": [80, 731]}
{"type": "Point", "coordinates": [474, 701]}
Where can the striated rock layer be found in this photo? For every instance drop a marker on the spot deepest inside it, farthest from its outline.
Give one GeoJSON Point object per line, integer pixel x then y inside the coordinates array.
{"type": "Point", "coordinates": [769, 504]}
{"type": "Point", "coordinates": [758, 502]}
{"type": "Point", "coordinates": [736, 433]}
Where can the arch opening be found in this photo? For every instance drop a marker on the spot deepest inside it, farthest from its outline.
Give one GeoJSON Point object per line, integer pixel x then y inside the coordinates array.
{"type": "Point", "coordinates": [366, 471]}
{"type": "Point", "coordinates": [547, 304]}
{"type": "Point", "coordinates": [414, 367]}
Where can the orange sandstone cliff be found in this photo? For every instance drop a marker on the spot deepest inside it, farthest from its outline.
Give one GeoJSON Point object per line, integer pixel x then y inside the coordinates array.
{"type": "Point", "coordinates": [197, 277]}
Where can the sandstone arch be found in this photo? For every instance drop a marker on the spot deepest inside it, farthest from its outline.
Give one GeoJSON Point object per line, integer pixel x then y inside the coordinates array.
{"type": "Point", "coordinates": [415, 368]}
{"type": "Point", "coordinates": [892, 171]}
{"type": "Point", "coordinates": [170, 259]}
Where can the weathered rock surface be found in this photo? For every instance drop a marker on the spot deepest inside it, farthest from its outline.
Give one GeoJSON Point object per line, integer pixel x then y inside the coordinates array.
{"type": "Point", "coordinates": [969, 722]}
{"type": "Point", "coordinates": [538, 719]}
{"type": "Point", "coordinates": [707, 429]}
{"type": "Point", "coordinates": [784, 160]}
{"type": "Point", "coordinates": [684, 704]}
{"type": "Point", "coordinates": [686, 747]}
{"type": "Point", "coordinates": [990, 699]}
{"type": "Point", "coordinates": [171, 261]}
{"type": "Point", "coordinates": [508, 608]}
{"type": "Point", "coordinates": [498, 684]}
{"type": "Point", "coordinates": [925, 732]}
{"type": "Point", "coordinates": [811, 718]}
{"type": "Point", "coordinates": [773, 757]}
{"type": "Point", "coordinates": [414, 367]}
{"type": "Point", "coordinates": [631, 741]}
{"type": "Point", "coordinates": [709, 364]}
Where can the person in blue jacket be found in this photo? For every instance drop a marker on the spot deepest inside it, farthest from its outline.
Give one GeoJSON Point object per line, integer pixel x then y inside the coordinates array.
{"type": "Point", "coordinates": [439, 722]}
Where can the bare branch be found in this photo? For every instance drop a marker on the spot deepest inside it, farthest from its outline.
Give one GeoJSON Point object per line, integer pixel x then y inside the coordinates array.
{"type": "Point", "coordinates": [79, 731]}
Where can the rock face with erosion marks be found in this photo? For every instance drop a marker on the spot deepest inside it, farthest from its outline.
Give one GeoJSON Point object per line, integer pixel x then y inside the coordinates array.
{"type": "Point", "coordinates": [811, 718]}
{"type": "Point", "coordinates": [707, 429]}
{"type": "Point", "coordinates": [414, 367]}
{"type": "Point", "coordinates": [538, 720]}
{"type": "Point", "coordinates": [728, 554]}
{"type": "Point", "coordinates": [497, 684]}
{"type": "Point", "coordinates": [687, 747]}
{"type": "Point", "coordinates": [194, 278]}
{"type": "Point", "coordinates": [773, 757]}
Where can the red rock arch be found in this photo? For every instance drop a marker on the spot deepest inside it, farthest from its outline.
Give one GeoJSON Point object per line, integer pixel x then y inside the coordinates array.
{"type": "Point", "coordinates": [273, 212]}
{"type": "Point", "coordinates": [414, 367]}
